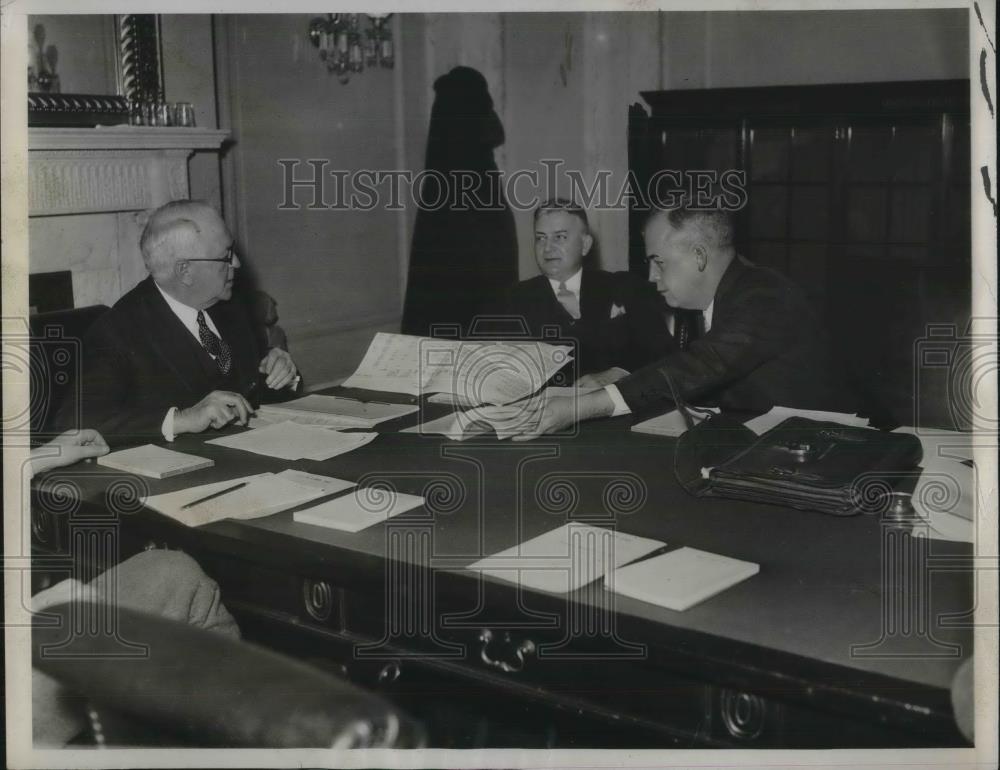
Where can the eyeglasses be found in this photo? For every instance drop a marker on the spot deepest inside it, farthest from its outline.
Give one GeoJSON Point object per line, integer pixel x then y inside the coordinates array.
{"type": "Point", "coordinates": [228, 259]}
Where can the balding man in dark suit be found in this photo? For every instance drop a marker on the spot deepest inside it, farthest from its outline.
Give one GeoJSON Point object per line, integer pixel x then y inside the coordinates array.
{"type": "Point", "coordinates": [175, 355]}
{"type": "Point", "coordinates": [756, 343]}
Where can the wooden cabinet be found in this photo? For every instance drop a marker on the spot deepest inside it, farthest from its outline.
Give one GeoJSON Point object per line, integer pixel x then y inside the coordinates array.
{"type": "Point", "coordinates": [859, 193]}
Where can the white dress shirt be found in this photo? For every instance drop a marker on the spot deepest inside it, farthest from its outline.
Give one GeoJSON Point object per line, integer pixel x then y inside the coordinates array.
{"type": "Point", "coordinates": [615, 395]}
{"type": "Point", "coordinates": [189, 317]}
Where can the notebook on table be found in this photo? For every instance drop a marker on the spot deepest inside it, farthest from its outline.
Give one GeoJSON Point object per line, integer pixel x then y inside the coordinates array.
{"type": "Point", "coordinates": [565, 559]}
{"type": "Point", "coordinates": [679, 579]}
{"type": "Point", "coordinates": [153, 461]}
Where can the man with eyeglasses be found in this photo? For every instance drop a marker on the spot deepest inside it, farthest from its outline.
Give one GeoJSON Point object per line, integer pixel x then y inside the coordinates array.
{"type": "Point", "coordinates": [175, 355]}
{"type": "Point", "coordinates": [746, 338]}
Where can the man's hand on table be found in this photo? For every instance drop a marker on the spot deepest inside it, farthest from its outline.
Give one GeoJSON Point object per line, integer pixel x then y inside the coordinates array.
{"type": "Point", "coordinates": [68, 448]}
{"type": "Point", "coordinates": [552, 415]}
{"type": "Point", "coordinates": [216, 410]}
{"type": "Point", "coordinates": [591, 382]}
{"type": "Point", "coordinates": [278, 367]}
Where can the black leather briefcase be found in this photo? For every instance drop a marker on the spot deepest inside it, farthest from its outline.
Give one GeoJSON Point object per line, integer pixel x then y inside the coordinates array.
{"type": "Point", "coordinates": [800, 463]}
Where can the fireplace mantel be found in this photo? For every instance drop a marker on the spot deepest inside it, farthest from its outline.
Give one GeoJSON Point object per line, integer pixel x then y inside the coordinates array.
{"type": "Point", "coordinates": [111, 169]}
{"type": "Point", "coordinates": [90, 191]}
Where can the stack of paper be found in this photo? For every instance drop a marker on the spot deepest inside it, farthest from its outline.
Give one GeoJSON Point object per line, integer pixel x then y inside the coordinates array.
{"type": "Point", "coordinates": [333, 411]}
{"type": "Point", "coordinates": [262, 495]}
{"type": "Point", "coordinates": [358, 510]}
{"type": "Point", "coordinates": [294, 441]}
{"type": "Point", "coordinates": [451, 399]}
{"type": "Point", "coordinates": [672, 423]}
{"type": "Point", "coordinates": [944, 497]}
{"type": "Point", "coordinates": [502, 421]}
{"type": "Point", "coordinates": [475, 372]}
{"type": "Point", "coordinates": [566, 558]}
{"type": "Point", "coordinates": [154, 461]}
{"type": "Point", "coordinates": [679, 579]}
{"type": "Point", "coordinates": [777, 415]}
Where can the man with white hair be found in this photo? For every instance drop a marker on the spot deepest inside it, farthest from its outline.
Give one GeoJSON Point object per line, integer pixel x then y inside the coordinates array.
{"type": "Point", "coordinates": [175, 355]}
{"type": "Point", "coordinates": [751, 341]}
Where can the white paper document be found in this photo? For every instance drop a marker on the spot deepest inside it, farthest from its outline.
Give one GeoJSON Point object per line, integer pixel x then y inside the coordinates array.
{"type": "Point", "coordinates": [450, 399]}
{"type": "Point", "coordinates": [679, 579]}
{"type": "Point", "coordinates": [294, 441]}
{"type": "Point", "coordinates": [670, 424]}
{"type": "Point", "coordinates": [328, 485]}
{"type": "Point", "coordinates": [943, 443]}
{"type": "Point", "coordinates": [154, 461]}
{"type": "Point", "coordinates": [944, 497]}
{"type": "Point", "coordinates": [358, 510]}
{"type": "Point", "coordinates": [779, 414]}
{"type": "Point", "coordinates": [263, 494]}
{"type": "Point", "coordinates": [569, 391]}
{"type": "Point", "coordinates": [333, 411]}
{"type": "Point", "coordinates": [474, 372]}
{"type": "Point", "coordinates": [501, 421]}
{"type": "Point", "coordinates": [566, 558]}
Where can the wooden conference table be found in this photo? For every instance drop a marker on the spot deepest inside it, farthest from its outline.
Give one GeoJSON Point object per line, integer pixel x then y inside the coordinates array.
{"type": "Point", "coordinates": [849, 636]}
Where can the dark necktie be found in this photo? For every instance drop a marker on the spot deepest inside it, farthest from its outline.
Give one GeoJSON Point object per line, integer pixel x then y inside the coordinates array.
{"type": "Point", "coordinates": [214, 345]}
{"type": "Point", "coordinates": [568, 300]}
{"type": "Point", "coordinates": [689, 325]}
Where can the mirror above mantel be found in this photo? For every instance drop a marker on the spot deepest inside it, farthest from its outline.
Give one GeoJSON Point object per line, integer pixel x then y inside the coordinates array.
{"type": "Point", "coordinates": [88, 70]}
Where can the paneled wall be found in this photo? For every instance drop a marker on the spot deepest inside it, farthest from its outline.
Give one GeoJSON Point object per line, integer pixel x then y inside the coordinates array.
{"type": "Point", "coordinates": [335, 274]}
{"type": "Point", "coordinates": [561, 83]}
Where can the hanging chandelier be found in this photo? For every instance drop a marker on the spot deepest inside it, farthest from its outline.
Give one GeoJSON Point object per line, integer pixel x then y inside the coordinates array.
{"type": "Point", "coordinates": [347, 43]}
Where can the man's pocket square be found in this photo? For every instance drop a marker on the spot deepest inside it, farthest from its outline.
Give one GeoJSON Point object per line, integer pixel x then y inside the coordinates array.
{"type": "Point", "coordinates": [617, 310]}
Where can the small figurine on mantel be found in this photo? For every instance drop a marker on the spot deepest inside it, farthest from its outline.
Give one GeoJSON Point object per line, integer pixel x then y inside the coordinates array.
{"type": "Point", "coordinates": [46, 80]}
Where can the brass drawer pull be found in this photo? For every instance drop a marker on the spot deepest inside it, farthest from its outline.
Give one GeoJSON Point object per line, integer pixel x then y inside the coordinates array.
{"type": "Point", "coordinates": [525, 648]}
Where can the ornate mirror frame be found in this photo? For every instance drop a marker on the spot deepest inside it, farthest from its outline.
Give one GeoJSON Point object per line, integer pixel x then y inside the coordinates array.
{"type": "Point", "coordinates": [138, 71]}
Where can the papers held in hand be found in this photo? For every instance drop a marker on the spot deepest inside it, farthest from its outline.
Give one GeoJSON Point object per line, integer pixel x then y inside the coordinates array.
{"type": "Point", "coordinates": [566, 558]}
{"type": "Point", "coordinates": [260, 495]}
{"type": "Point", "coordinates": [502, 421]}
{"type": "Point", "coordinates": [154, 461]}
{"type": "Point", "coordinates": [476, 372]}
{"type": "Point", "coordinates": [333, 412]}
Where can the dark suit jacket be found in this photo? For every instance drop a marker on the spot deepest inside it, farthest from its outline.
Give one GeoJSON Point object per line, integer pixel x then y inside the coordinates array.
{"type": "Point", "coordinates": [139, 360]}
{"type": "Point", "coordinates": [765, 348]}
{"type": "Point", "coordinates": [629, 340]}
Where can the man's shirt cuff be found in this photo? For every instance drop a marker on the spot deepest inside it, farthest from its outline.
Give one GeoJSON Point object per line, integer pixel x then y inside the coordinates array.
{"type": "Point", "coordinates": [616, 398]}
{"type": "Point", "coordinates": [167, 428]}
